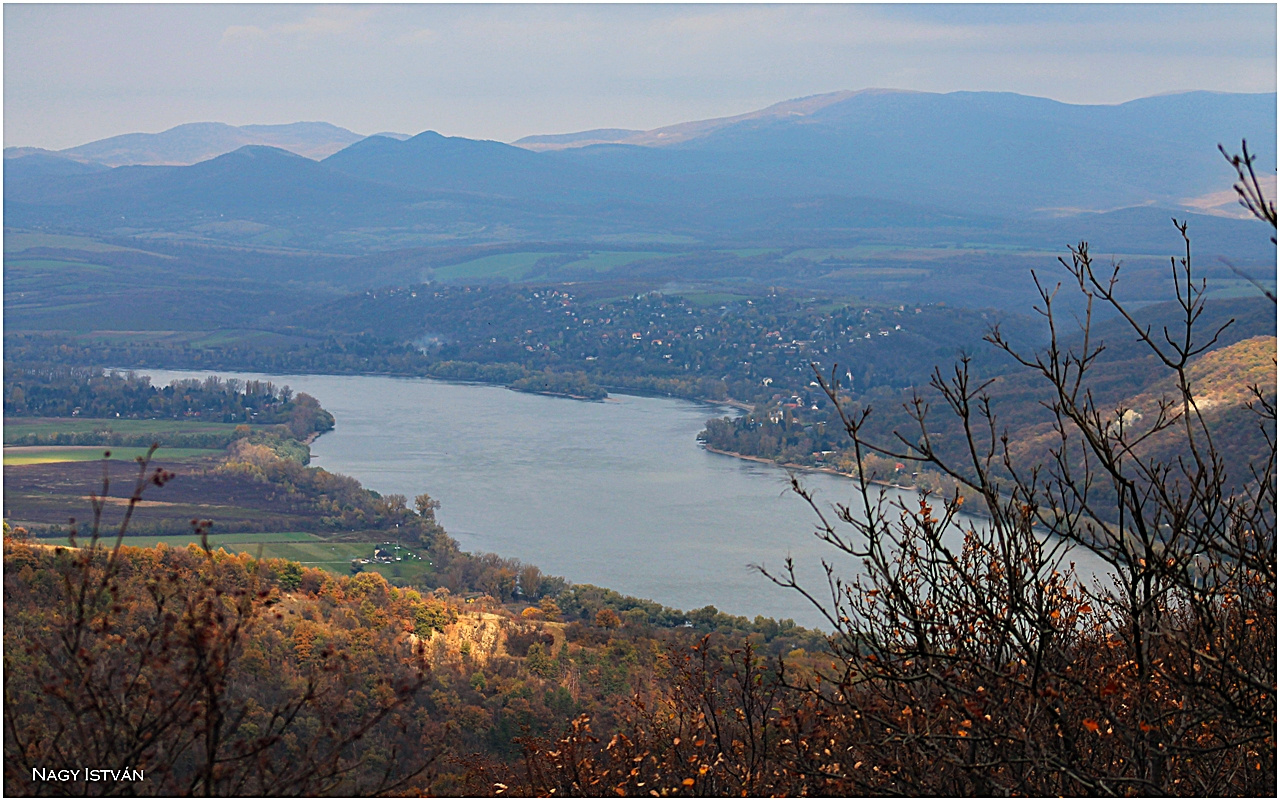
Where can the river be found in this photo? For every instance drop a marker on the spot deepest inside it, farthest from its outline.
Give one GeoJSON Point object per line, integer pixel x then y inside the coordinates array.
{"type": "Point", "coordinates": [617, 493]}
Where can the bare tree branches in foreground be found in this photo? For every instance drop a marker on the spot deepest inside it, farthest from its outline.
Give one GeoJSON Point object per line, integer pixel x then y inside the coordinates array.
{"type": "Point", "coordinates": [969, 657]}
{"type": "Point", "coordinates": [974, 654]}
{"type": "Point", "coordinates": [153, 669]}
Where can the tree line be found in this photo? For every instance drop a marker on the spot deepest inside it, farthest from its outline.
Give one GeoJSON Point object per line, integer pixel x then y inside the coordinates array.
{"type": "Point", "coordinates": [56, 390]}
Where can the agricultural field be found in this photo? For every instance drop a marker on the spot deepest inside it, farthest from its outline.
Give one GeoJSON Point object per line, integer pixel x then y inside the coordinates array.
{"type": "Point", "coordinates": [248, 516]}
{"type": "Point", "coordinates": [43, 496]}
{"type": "Point", "coordinates": [71, 438]}
{"type": "Point", "coordinates": [519, 265]}
{"type": "Point", "coordinates": [878, 272]}
{"type": "Point", "coordinates": [229, 541]}
{"type": "Point", "coordinates": [836, 254]}
{"type": "Point", "coordinates": [603, 261]}
{"type": "Point", "coordinates": [16, 428]}
{"type": "Point", "coordinates": [42, 454]}
{"type": "Point", "coordinates": [712, 298]}
{"type": "Point", "coordinates": [105, 292]}
{"type": "Point", "coordinates": [58, 266]}
{"type": "Point", "coordinates": [511, 266]}
{"type": "Point", "coordinates": [309, 550]}
{"type": "Point", "coordinates": [1231, 288]}
{"type": "Point", "coordinates": [19, 242]}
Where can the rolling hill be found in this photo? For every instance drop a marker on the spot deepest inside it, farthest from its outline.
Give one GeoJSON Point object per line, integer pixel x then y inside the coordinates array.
{"type": "Point", "coordinates": [200, 141]}
{"type": "Point", "coordinates": [895, 169]}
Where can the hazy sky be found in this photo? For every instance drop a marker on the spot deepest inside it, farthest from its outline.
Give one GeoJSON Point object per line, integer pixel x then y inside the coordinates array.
{"type": "Point", "coordinates": [75, 73]}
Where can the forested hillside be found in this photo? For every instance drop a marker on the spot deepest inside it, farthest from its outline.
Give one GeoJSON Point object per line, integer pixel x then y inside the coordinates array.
{"type": "Point", "coordinates": [192, 608]}
{"type": "Point", "coordinates": [260, 676]}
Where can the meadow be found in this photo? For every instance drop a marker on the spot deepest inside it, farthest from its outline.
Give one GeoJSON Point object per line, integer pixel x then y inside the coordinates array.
{"type": "Point", "coordinates": [16, 428]}
{"type": "Point", "coordinates": [19, 242]}
{"type": "Point", "coordinates": [309, 550]}
{"type": "Point", "coordinates": [39, 454]}
{"type": "Point", "coordinates": [511, 266]}
{"type": "Point", "coordinates": [521, 264]}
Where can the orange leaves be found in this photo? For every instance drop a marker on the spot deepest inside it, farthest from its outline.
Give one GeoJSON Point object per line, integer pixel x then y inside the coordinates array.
{"type": "Point", "coordinates": [1090, 724]}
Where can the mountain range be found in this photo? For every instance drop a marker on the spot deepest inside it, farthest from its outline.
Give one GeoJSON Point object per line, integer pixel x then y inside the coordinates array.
{"type": "Point", "coordinates": [872, 166]}
{"type": "Point", "coordinates": [200, 141]}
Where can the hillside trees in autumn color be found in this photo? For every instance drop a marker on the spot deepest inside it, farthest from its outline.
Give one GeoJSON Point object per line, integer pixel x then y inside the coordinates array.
{"type": "Point", "coordinates": [171, 662]}
{"type": "Point", "coordinates": [982, 661]}
{"type": "Point", "coordinates": [972, 658]}
{"type": "Point", "coordinates": [966, 656]}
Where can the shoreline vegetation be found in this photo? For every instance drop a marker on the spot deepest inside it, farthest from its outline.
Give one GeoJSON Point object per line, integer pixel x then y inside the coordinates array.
{"type": "Point", "coordinates": [806, 468]}
{"type": "Point", "coordinates": [587, 392]}
{"type": "Point", "coordinates": [254, 481]}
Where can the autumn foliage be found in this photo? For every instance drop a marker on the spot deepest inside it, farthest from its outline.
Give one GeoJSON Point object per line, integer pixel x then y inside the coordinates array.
{"type": "Point", "coordinates": [967, 655]}
{"type": "Point", "coordinates": [974, 658]}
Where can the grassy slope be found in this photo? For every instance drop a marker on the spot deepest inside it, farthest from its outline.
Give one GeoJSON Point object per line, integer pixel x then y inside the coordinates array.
{"type": "Point", "coordinates": [15, 427]}
{"type": "Point", "coordinates": [309, 550]}
{"type": "Point", "coordinates": [39, 454]}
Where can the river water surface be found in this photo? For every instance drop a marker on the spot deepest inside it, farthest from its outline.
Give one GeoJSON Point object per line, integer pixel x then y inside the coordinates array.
{"type": "Point", "coordinates": [617, 493]}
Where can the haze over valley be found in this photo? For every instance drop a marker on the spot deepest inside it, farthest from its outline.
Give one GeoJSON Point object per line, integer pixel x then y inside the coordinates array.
{"type": "Point", "coordinates": [643, 400]}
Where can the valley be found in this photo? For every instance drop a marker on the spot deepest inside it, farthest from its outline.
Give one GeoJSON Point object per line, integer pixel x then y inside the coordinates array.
{"type": "Point", "coordinates": [853, 445]}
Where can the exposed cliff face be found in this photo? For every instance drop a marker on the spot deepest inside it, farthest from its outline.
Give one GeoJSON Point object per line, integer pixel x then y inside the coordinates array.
{"type": "Point", "coordinates": [479, 635]}
{"type": "Point", "coordinates": [483, 636]}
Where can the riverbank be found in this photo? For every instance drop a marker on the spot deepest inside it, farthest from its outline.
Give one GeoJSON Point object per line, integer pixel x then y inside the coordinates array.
{"type": "Point", "coordinates": [550, 394]}
{"type": "Point", "coordinates": [806, 468]}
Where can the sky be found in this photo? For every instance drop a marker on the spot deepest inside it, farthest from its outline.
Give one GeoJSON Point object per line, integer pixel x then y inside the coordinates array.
{"type": "Point", "coordinates": [77, 73]}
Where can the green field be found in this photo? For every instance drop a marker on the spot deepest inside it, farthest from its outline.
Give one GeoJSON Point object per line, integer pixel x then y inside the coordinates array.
{"type": "Point", "coordinates": [840, 254]}
{"type": "Point", "coordinates": [55, 265]}
{"type": "Point", "coordinates": [647, 239]}
{"type": "Point", "coordinates": [40, 454]}
{"type": "Point", "coordinates": [511, 266]}
{"type": "Point", "coordinates": [216, 540]}
{"type": "Point", "coordinates": [712, 298]}
{"type": "Point", "coordinates": [18, 242]}
{"type": "Point", "coordinates": [514, 266]}
{"type": "Point", "coordinates": [1224, 288]}
{"type": "Point", "coordinates": [297, 546]}
{"type": "Point", "coordinates": [15, 427]}
{"type": "Point", "coordinates": [602, 261]}
{"type": "Point", "coordinates": [879, 272]}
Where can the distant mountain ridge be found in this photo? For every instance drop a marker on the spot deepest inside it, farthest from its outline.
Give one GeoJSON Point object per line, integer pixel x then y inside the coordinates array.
{"type": "Point", "coordinates": [684, 131]}
{"type": "Point", "coordinates": [200, 141]}
{"type": "Point", "coordinates": [847, 166]}
{"type": "Point", "coordinates": [596, 136]}
{"type": "Point", "coordinates": [825, 107]}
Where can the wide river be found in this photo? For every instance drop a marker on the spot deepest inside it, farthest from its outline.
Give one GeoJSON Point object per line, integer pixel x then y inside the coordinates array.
{"type": "Point", "coordinates": [617, 493]}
